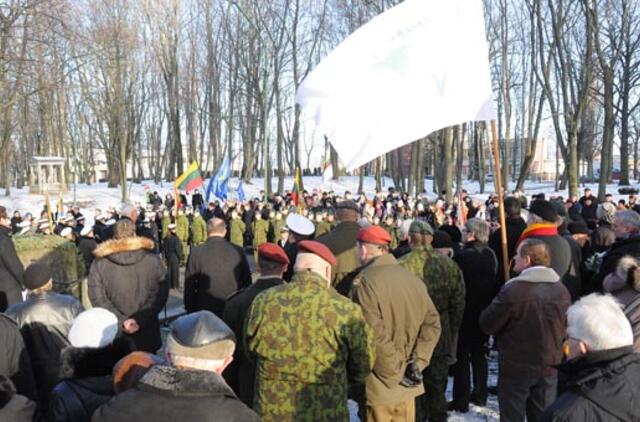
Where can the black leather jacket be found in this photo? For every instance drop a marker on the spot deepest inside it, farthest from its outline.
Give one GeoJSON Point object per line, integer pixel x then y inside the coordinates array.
{"type": "Point", "coordinates": [44, 320]}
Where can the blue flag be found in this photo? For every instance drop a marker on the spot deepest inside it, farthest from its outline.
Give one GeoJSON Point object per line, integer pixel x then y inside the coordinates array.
{"type": "Point", "coordinates": [240, 191]}
{"type": "Point", "coordinates": [218, 183]}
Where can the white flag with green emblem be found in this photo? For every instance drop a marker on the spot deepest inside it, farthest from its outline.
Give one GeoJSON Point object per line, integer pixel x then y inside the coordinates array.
{"type": "Point", "coordinates": [419, 67]}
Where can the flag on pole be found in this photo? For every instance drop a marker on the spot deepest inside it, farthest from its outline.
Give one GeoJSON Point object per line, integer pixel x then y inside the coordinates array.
{"type": "Point", "coordinates": [327, 172]}
{"type": "Point", "coordinates": [419, 67]}
{"type": "Point", "coordinates": [60, 206]}
{"type": "Point", "coordinates": [297, 187]}
{"type": "Point", "coordinates": [190, 179]}
{"type": "Point", "coordinates": [240, 191]}
{"type": "Point", "coordinates": [218, 184]}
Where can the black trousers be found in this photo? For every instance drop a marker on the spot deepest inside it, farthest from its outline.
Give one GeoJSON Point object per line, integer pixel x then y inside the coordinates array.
{"type": "Point", "coordinates": [522, 397]}
{"type": "Point", "coordinates": [474, 354]}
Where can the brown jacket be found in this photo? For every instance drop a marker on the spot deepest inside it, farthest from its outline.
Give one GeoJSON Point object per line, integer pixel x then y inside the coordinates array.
{"type": "Point", "coordinates": [405, 323]}
{"type": "Point", "coordinates": [528, 318]}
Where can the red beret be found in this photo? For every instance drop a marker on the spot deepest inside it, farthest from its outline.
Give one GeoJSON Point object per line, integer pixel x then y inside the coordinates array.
{"type": "Point", "coordinates": [273, 252]}
{"type": "Point", "coordinates": [375, 235]}
{"type": "Point", "coordinates": [319, 249]}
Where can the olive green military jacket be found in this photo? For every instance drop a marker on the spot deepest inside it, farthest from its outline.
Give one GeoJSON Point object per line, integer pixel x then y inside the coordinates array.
{"type": "Point", "coordinates": [260, 232]}
{"type": "Point", "coordinates": [309, 343]}
{"type": "Point", "coordinates": [445, 285]}
{"type": "Point", "coordinates": [165, 226]}
{"type": "Point", "coordinates": [405, 324]}
{"type": "Point", "coordinates": [322, 227]}
{"type": "Point", "coordinates": [182, 228]}
{"type": "Point", "coordinates": [236, 232]}
{"type": "Point", "coordinates": [198, 231]}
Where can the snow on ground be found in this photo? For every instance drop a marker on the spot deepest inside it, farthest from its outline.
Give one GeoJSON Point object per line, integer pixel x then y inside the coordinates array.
{"type": "Point", "coordinates": [90, 197]}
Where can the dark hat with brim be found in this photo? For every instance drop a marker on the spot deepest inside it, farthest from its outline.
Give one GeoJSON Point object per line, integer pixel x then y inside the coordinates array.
{"type": "Point", "coordinates": [36, 275]}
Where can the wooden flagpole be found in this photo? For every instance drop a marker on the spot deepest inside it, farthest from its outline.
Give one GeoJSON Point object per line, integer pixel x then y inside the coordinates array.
{"type": "Point", "coordinates": [498, 185]}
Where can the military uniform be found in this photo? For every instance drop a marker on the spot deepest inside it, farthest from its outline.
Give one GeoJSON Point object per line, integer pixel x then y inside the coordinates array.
{"type": "Point", "coordinates": [260, 233]}
{"type": "Point", "coordinates": [406, 325]}
{"type": "Point", "coordinates": [236, 232]}
{"type": "Point", "coordinates": [182, 231]}
{"type": "Point", "coordinates": [309, 343]}
{"type": "Point", "coordinates": [240, 374]}
{"type": "Point", "coordinates": [198, 231]}
{"type": "Point", "coordinates": [274, 230]}
{"type": "Point", "coordinates": [393, 232]}
{"type": "Point", "coordinates": [445, 285]}
{"type": "Point", "coordinates": [342, 242]}
{"type": "Point", "coordinates": [323, 227]}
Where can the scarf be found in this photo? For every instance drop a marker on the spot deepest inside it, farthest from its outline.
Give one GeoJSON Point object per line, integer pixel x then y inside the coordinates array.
{"type": "Point", "coordinates": [539, 229]}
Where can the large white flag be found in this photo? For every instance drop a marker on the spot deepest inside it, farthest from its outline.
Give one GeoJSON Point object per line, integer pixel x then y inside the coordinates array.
{"type": "Point", "coordinates": [419, 67]}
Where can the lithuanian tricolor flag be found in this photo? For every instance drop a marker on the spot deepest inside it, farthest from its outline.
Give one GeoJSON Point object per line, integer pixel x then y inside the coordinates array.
{"type": "Point", "coordinates": [190, 179]}
{"type": "Point", "coordinates": [297, 187]}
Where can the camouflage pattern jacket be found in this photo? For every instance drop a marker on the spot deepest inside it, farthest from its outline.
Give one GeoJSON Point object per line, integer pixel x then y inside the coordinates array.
{"type": "Point", "coordinates": [445, 285]}
{"type": "Point", "coordinates": [309, 342]}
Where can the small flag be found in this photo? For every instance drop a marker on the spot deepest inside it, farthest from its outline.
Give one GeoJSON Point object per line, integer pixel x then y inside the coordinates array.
{"type": "Point", "coordinates": [297, 187]}
{"type": "Point", "coordinates": [327, 172]}
{"type": "Point", "coordinates": [218, 183]}
{"type": "Point", "coordinates": [48, 206]}
{"type": "Point", "coordinates": [240, 191]}
{"type": "Point", "coordinates": [190, 179]}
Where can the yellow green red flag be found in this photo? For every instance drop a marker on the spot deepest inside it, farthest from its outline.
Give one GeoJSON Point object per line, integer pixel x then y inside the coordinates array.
{"type": "Point", "coordinates": [190, 179]}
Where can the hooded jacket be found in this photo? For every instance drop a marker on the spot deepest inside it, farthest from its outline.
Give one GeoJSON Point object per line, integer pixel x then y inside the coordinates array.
{"type": "Point", "coordinates": [601, 386]}
{"type": "Point", "coordinates": [168, 394]}
{"type": "Point", "coordinates": [528, 318]}
{"type": "Point", "coordinates": [128, 279]}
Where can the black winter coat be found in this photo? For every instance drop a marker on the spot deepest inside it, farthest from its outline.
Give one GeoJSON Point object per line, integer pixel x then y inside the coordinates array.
{"type": "Point", "coordinates": [44, 320]}
{"type": "Point", "coordinates": [14, 359]}
{"type": "Point", "coordinates": [166, 394]}
{"type": "Point", "coordinates": [515, 227]}
{"type": "Point", "coordinates": [620, 248]}
{"type": "Point", "coordinates": [11, 270]}
{"type": "Point", "coordinates": [86, 246]}
{"type": "Point", "coordinates": [479, 268]}
{"type": "Point", "coordinates": [87, 383]}
{"type": "Point", "coordinates": [601, 386]}
{"type": "Point", "coordinates": [128, 279]}
{"type": "Point", "coordinates": [215, 270]}
{"type": "Point", "coordinates": [241, 373]}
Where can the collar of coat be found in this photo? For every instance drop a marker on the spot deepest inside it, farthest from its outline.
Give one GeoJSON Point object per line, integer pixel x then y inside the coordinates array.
{"type": "Point", "coordinates": [185, 383]}
{"type": "Point", "coordinates": [537, 274]}
{"type": "Point", "coordinates": [539, 230]}
{"type": "Point", "coordinates": [114, 246]}
{"type": "Point", "coordinates": [382, 260]}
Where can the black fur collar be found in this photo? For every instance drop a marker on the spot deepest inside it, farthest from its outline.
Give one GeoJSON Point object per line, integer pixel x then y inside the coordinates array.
{"type": "Point", "coordinates": [85, 362]}
{"type": "Point", "coordinates": [184, 383]}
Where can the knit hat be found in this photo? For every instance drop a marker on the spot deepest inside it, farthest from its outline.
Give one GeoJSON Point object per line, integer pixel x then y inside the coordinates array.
{"type": "Point", "coordinates": [544, 209]}
{"type": "Point", "coordinates": [36, 275]}
{"type": "Point", "coordinates": [578, 227]}
{"type": "Point", "coordinates": [606, 212]}
{"type": "Point", "coordinates": [95, 327]}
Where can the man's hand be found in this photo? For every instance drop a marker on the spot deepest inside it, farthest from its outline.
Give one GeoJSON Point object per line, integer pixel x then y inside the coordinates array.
{"type": "Point", "coordinates": [130, 326]}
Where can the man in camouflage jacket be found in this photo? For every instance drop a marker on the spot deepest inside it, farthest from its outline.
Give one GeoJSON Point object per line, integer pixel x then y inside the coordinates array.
{"type": "Point", "coordinates": [309, 343]}
{"type": "Point", "coordinates": [445, 285]}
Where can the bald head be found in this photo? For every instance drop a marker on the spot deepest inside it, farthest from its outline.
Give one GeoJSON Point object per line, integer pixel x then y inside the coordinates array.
{"type": "Point", "coordinates": [312, 262]}
{"type": "Point", "coordinates": [216, 227]}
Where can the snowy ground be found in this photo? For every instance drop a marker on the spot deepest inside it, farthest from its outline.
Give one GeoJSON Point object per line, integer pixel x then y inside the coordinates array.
{"type": "Point", "coordinates": [100, 196]}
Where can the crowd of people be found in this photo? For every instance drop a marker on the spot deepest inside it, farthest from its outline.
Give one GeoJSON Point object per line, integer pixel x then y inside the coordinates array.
{"type": "Point", "coordinates": [377, 300]}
